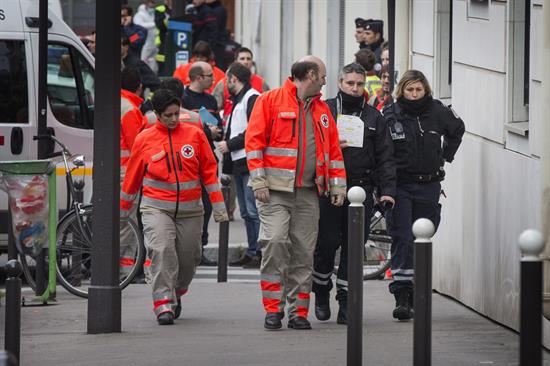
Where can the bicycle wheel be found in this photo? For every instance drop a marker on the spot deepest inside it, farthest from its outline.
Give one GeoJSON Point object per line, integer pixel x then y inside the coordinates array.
{"type": "Point", "coordinates": [377, 249]}
{"type": "Point", "coordinates": [26, 264]}
{"type": "Point", "coordinates": [74, 249]}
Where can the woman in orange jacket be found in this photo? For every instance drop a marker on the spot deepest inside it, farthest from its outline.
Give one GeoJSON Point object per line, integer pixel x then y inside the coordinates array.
{"type": "Point", "coordinates": [168, 162]}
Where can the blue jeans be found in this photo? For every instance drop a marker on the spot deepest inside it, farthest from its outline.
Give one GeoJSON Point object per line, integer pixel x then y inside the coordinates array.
{"type": "Point", "coordinates": [249, 212]}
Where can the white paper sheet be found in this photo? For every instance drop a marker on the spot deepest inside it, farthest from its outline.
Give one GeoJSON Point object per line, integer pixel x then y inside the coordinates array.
{"type": "Point", "coordinates": [351, 129]}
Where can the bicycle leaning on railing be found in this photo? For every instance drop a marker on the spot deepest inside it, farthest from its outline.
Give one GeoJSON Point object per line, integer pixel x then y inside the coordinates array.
{"type": "Point", "coordinates": [74, 238]}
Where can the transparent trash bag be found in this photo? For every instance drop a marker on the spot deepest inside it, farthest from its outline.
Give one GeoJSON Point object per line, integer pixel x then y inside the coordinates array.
{"type": "Point", "coordinates": [28, 200]}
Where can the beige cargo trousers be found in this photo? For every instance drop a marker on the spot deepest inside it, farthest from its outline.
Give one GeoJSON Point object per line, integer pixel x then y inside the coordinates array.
{"type": "Point", "coordinates": [174, 248]}
{"type": "Point", "coordinates": [288, 233]}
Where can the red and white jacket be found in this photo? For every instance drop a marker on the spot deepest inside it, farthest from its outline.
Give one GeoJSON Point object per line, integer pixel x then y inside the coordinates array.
{"type": "Point", "coordinates": [271, 143]}
{"type": "Point", "coordinates": [170, 165]}
{"type": "Point", "coordinates": [131, 123]}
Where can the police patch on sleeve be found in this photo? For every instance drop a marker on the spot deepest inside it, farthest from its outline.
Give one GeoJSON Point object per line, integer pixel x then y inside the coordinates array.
{"type": "Point", "coordinates": [187, 151]}
{"type": "Point", "coordinates": [324, 120]}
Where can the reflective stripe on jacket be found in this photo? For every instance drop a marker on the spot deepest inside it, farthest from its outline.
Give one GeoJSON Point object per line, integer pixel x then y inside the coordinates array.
{"type": "Point", "coordinates": [171, 164]}
{"type": "Point", "coordinates": [271, 143]}
{"type": "Point", "coordinates": [131, 123]}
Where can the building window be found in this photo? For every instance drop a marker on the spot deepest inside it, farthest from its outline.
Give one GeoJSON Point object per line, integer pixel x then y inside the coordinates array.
{"type": "Point", "coordinates": [14, 104]}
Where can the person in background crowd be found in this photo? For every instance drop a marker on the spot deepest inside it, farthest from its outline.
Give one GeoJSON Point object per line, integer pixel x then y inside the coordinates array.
{"type": "Point", "coordinates": [201, 52]}
{"type": "Point", "coordinates": [136, 34]}
{"type": "Point", "coordinates": [131, 123]}
{"type": "Point", "coordinates": [222, 39]}
{"type": "Point", "coordinates": [294, 157]}
{"type": "Point", "coordinates": [244, 56]}
{"type": "Point", "coordinates": [145, 17]}
{"type": "Point", "coordinates": [368, 166]}
{"type": "Point", "coordinates": [234, 158]}
{"type": "Point", "coordinates": [374, 37]}
{"type": "Point", "coordinates": [385, 55]}
{"type": "Point", "coordinates": [195, 97]}
{"type": "Point", "coordinates": [162, 14]}
{"type": "Point", "coordinates": [129, 60]}
{"type": "Point", "coordinates": [367, 59]}
{"type": "Point", "coordinates": [204, 22]}
{"type": "Point", "coordinates": [91, 43]}
{"type": "Point", "coordinates": [360, 36]}
{"type": "Point", "coordinates": [383, 95]}
{"type": "Point", "coordinates": [418, 124]}
{"type": "Point", "coordinates": [171, 154]}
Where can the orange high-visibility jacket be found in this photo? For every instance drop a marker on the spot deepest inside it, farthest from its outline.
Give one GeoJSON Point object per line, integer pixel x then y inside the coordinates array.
{"type": "Point", "coordinates": [170, 164]}
{"type": "Point", "coordinates": [271, 143]}
{"type": "Point", "coordinates": [182, 73]}
{"type": "Point", "coordinates": [131, 123]}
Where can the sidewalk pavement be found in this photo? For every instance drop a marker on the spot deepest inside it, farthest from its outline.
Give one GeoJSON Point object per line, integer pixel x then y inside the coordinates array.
{"type": "Point", "coordinates": [222, 324]}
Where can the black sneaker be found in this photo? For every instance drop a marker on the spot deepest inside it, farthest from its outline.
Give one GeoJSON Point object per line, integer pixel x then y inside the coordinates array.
{"type": "Point", "coordinates": [207, 262]}
{"type": "Point", "coordinates": [273, 321]}
{"type": "Point", "coordinates": [166, 318]}
{"type": "Point", "coordinates": [299, 323]}
{"type": "Point", "coordinates": [242, 261]}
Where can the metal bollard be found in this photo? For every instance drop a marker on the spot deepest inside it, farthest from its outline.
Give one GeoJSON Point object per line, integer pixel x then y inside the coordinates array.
{"type": "Point", "coordinates": [356, 244]}
{"type": "Point", "coordinates": [531, 245]}
{"type": "Point", "coordinates": [423, 230]}
{"type": "Point", "coordinates": [12, 333]}
{"type": "Point", "coordinates": [223, 246]}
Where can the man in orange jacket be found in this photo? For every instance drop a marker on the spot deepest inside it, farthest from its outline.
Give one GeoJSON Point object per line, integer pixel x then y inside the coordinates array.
{"type": "Point", "coordinates": [168, 163]}
{"type": "Point", "coordinates": [293, 155]}
{"type": "Point", "coordinates": [131, 123]}
{"type": "Point", "coordinates": [201, 52]}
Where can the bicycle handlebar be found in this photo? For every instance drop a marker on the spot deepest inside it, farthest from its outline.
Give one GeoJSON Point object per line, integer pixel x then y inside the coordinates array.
{"type": "Point", "coordinates": [54, 139]}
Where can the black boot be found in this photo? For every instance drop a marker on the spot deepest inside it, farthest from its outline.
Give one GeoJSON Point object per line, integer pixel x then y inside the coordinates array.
{"type": "Point", "coordinates": [166, 318]}
{"type": "Point", "coordinates": [299, 323]}
{"type": "Point", "coordinates": [273, 321]}
{"type": "Point", "coordinates": [177, 310]}
{"type": "Point", "coordinates": [322, 306]}
{"type": "Point", "coordinates": [342, 317]}
{"type": "Point", "coordinates": [402, 309]}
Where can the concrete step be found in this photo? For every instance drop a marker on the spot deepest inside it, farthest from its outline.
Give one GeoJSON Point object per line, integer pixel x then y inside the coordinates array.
{"type": "Point", "coordinates": [235, 251]}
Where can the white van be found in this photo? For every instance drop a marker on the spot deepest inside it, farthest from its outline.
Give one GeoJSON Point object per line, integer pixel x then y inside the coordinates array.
{"type": "Point", "coordinates": [70, 88]}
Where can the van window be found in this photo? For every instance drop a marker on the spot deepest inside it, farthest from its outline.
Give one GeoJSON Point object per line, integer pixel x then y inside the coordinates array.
{"type": "Point", "coordinates": [70, 86]}
{"type": "Point", "coordinates": [14, 102]}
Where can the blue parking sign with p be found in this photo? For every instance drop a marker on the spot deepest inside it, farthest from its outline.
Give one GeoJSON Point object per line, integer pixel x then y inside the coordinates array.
{"type": "Point", "coordinates": [181, 39]}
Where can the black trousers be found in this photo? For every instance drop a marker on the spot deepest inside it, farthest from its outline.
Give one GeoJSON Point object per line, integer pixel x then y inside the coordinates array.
{"type": "Point", "coordinates": [413, 201]}
{"type": "Point", "coordinates": [333, 234]}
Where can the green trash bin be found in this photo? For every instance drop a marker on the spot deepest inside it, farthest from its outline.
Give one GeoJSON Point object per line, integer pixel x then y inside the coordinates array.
{"type": "Point", "coordinates": [31, 188]}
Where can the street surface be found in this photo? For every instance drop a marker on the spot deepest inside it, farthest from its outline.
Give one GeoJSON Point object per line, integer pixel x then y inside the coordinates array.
{"type": "Point", "coordinates": [222, 324]}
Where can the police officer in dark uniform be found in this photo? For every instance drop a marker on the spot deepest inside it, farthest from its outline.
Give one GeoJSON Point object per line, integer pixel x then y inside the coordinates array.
{"type": "Point", "coordinates": [368, 165]}
{"type": "Point", "coordinates": [426, 134]}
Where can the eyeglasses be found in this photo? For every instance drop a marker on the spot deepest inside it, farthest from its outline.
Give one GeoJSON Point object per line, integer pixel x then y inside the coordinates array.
{"type": "Point", "coordinates": [208, 75]}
